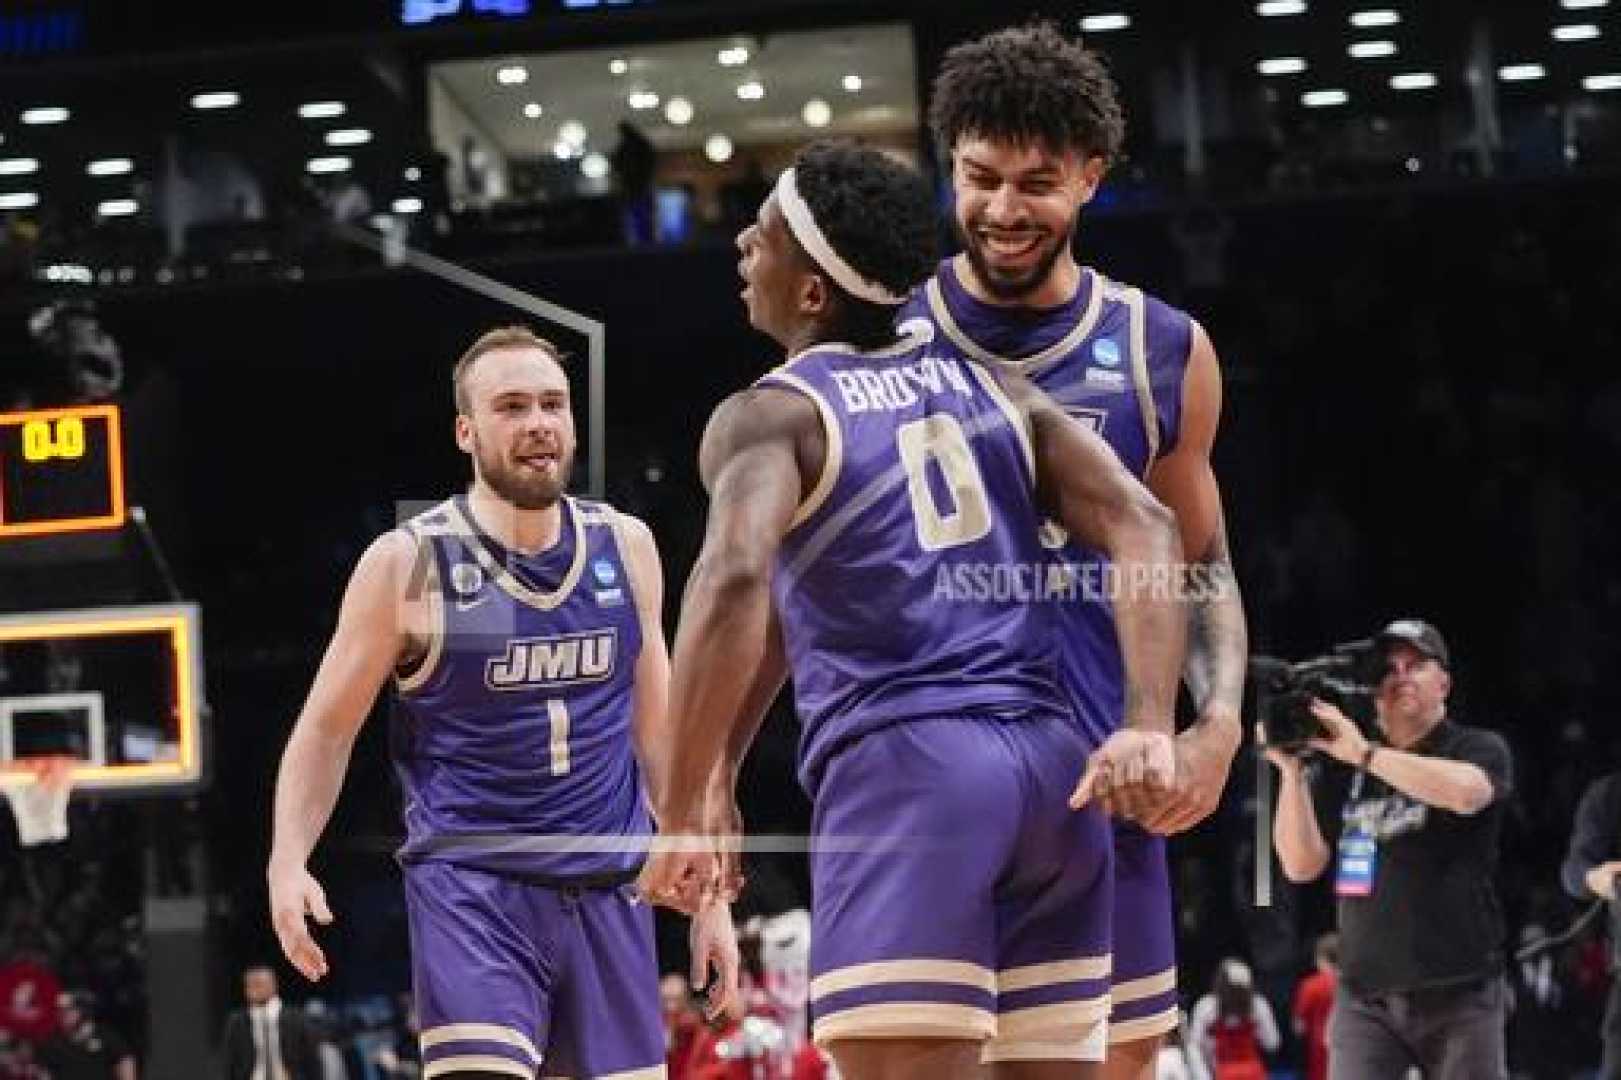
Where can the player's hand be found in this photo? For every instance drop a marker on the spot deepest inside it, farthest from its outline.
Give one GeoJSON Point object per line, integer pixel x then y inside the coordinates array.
{"type": "Point", "coordinates": [716, 962]}
{"type": "Point", "coordinates": [1130, 775]}
{"type": "Point", "coordinates": [726, 826]}
{"type": "Point", "coordinates": [295, 896]}
{"type": "Point", "coordinates": [1341, 739]}
{"type": "Point", "coordinates": [683, 870]}
{"type": "Point", "coordinates": [1601, 879]}
{"type": "Point", "coordinates": [1204, 757]}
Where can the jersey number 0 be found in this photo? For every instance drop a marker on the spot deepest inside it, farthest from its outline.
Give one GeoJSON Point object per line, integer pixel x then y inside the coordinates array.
{"type": "Point", "coordinates": [940, 438]}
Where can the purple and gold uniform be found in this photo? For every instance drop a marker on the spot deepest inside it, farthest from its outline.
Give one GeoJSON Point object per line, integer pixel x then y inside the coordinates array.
{"type": "Point", "coordinates": [1114, 358]}
{"type": "Point", "coordinates": [524, 814]}
{"type": "Point", "coordinates": [938, 745]}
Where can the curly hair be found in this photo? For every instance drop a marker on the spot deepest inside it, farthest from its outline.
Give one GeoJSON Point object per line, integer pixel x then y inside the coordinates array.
{"type": "Point", "coordinates": [879, 215]}
{"type": "Point", "coordinates": [1028, 83]}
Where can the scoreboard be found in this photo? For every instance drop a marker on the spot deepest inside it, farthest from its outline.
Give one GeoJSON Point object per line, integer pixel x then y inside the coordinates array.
{"type": "Point", "coordinates": [61, 471]}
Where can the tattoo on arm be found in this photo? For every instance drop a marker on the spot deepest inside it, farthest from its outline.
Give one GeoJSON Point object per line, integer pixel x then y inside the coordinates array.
{"type": "Point", "coordinates": [1217, 636]}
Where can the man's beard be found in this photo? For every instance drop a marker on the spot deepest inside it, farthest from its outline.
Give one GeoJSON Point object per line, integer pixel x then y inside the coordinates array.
{"type": "Point", "coordinates": [998, 283]}
{"type": "Point", "coordinates": [526, 492]}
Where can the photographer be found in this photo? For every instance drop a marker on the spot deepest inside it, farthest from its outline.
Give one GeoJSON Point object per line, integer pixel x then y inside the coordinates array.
{"type": "Point", "coordinates": [1421, 934]}
{"type": "Point", "coordinates": [1590, 870]}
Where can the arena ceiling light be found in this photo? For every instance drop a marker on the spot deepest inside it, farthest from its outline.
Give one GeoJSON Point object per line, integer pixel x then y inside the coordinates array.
{"type": "Point", "coordinates": [46, 114]}
{"type": "Point", "coordinates": [322, 110]}
{"type": "Point", "coordinates": [851, 84]}
{"type": "Point", "coordinates": [116, 166]}
{"type": "Point", "coordinates": [413, 174]}
{"type": "Point", "coordinates": [18, 200]}
{"type": "Point", "coordinates": [348, 137]}
{"type": "Point", "coordinates": [1522, 72]}
{"type": "Point", "coordinates": [1321, 99]}
{"type": "Point", "coordinates": [1598, 83]}
{"type": "Point", "coordinates": [573, 132]}
{"type": "Point", "coordinates": [642, 100]}
{"type": "Point", "coordinates": [335, 164]}
{"type": "Point", "coordinates": [1272, 9]}
{"type": "Point", "coordinates": [1282, 65]}
{"type": "Point", "coordinates": [216, 99]}
{"type": "Point", "coordinates": [734, 56]}
{"type": "Point", "coordinates": [18, 166]}
{"type": "Point", "coordinates": [1576, 32]}
{"type": "Point", "coordinates": [678, 111]}
{"type": "Point", "coordinates": [618, 66]}
{"type": "Point", "coordinates": [753, 90]}
{"type": "Point", "coordinates": [408, 204]}
{"type": "Point", "coordinates": [512, 75]}
{"type": "Point", "coordinates": [118, 208]}
{"type": "Point", "coordinates": [1413, 80]}
{"type": "Point", "coordinates": [1365, 20]}
{"type": "Point", "coordinates": [594, 166]}
{"type": "Point", "coordinates": [1371, 50]}
{"type": "Point", "coordinates": [533, 110]}
{"type": "Point", "coordinates": [1101, 24]}
{"type": "Point", "coordinates": [1582, 5]}
{"type": "Point", "coordinates": [718, 148]}
{"type": "Point", "coordinates": [816, 113]}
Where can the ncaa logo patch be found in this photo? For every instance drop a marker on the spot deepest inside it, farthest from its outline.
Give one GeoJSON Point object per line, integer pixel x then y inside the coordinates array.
{"type": "Point", "coordinates": [1106, 352]}
{"type": "Point", "coordinates": [466, 578]}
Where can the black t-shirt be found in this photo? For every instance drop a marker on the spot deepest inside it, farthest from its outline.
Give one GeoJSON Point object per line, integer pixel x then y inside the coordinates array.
{"type": "Point", "coordinates": [1432, 918]}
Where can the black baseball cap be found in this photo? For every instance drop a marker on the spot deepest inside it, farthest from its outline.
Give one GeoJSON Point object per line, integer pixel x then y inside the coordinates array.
{"type": "Point", "coordinates": [1420, 635]}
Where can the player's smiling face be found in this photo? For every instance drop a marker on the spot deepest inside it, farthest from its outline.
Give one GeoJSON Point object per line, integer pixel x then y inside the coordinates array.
{"type": "Point", "coordinates": [777, 282]}
{"type": "Point", "coordinates": [1016, 210]}
{"type": "Point", "coordinates": [520, 433]}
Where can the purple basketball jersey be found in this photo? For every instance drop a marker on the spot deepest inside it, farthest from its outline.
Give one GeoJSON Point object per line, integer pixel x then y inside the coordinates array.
{"type": "Point", "coordinates": [1114, 358]}
{"type": "Point", "coordinates": [904, 585]}
{"type": "Point", "coordinates": [512, 737]}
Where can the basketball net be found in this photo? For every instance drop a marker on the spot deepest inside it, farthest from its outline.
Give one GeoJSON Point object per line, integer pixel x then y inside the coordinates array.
{"type": "Point", "coordinates": [39, 799]}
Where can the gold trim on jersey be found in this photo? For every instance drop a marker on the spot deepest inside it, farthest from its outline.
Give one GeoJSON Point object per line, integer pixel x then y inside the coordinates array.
{"type": "Point", "coordinates": [1061, 1020]}
{"type": "Point", "coordinates": [1144, 1027]}
{"type": "Point", "coordinates": [425, 669]}
{"type": "Point", "coordinates": [1026, 364]}
{"type": "Point", "coordinates": [1016, 418]}
{"type": "Point", "coordinates": [490, 1033]}
{"type": "Point", "coordinates": [832, 459]}
{"type": "Point", "coordinates": [515, 588]}
{"type": "Point", "coordinates": [1091, 1047]}
{"type": "Point", "coordinates": [880, 972]}
{"type": "Point", "coordinates": [921, 1019]}
{"type": "Point", "coordinates": [422, 533]}
{"type": "Point", "coordinates": [477, 1063]}
{"type": "Point", "coordinates": [1055, 973]}
{"type": "Point", "coordinates": [1136, 989]}
{"type": "Point", "coordinates": [1137, 307]}
{"type": "Point", "coordinates": [616, 522]}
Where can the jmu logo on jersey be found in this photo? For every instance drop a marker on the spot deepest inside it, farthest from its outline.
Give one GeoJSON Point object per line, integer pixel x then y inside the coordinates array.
{"type": "Point", "coordinates": [563, 660]}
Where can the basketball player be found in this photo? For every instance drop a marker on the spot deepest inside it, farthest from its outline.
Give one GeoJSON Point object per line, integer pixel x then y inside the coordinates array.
{"type": "Point", "coordinates": [1031, 122]}
{"type": "Point", "coordinates": [521, 628]}
{"type": "Point", "coordinates": [886, 503]}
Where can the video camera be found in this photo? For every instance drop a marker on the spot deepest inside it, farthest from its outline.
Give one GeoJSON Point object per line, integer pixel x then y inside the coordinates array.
{"type": "Point", "coordinates": [1346, 676]}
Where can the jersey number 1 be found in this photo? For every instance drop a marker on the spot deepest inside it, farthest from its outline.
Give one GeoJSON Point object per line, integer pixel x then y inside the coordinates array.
{"type": "Point", "coordinates": [557, 712]}
{"type": "Point", "coordinates": [941, 439]}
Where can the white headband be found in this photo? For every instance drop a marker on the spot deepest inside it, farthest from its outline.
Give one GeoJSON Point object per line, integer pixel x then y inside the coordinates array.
{"type": "Point", "coordinates": [803, 225]}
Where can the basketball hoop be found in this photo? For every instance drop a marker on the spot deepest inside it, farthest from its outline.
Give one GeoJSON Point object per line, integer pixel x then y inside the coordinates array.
{"type": "Point", "coordinates": [38, 790]}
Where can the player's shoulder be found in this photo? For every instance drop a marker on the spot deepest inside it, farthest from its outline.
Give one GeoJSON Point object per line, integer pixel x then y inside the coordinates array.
{"type": "Point", "coordinates": [1161, 316]}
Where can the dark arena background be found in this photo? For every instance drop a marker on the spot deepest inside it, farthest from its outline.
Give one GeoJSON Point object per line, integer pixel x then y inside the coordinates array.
{"type": "Point", "coordinates": [264, 231]}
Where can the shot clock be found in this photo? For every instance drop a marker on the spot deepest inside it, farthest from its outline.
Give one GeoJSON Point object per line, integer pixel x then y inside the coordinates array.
{"type": "Point", "coordinates": [61, 471]}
